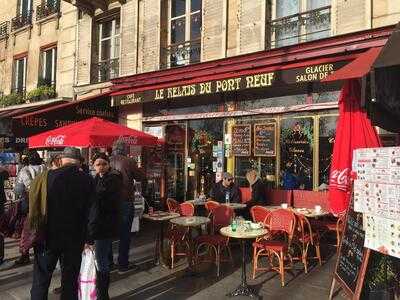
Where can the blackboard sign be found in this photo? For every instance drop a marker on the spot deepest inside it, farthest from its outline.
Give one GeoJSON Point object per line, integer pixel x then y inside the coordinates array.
{"type": "Point", "coordinates": [265, 139]}
{"type": "Point", "coordinates": [241, 140]}
{"type": "Point", "coordinates": [353, 258]}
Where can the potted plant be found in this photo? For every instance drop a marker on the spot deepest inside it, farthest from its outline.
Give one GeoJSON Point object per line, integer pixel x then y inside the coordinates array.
{"type": "Point", "coordinates": [11, 99]}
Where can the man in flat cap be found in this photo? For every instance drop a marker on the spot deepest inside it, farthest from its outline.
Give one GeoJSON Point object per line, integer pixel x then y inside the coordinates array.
{"type": "Point", "coordinates": [69, 196]}
{"type": "Point", "coordinates": [225, 190]}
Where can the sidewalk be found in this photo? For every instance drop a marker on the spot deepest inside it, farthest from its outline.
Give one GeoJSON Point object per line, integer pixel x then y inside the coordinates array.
{"type": "Point", "coordinates": [156, 282]}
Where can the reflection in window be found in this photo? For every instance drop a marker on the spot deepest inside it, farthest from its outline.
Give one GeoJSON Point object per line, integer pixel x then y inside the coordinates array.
{"type": "Point", "coordinates": [327, 129]}
{"type": "Point", "coordinates": [322, 97]}
{"type": "Point", "coordinates": [271, 102]}
{"type": "Point", "coordinates": [297, 141]}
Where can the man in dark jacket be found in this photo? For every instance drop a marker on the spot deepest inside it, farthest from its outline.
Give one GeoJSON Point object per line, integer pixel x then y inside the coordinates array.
{"type": "Point", "coordinates": [257, 187]}
{"type": "Point", "coordinates": [225, 189]}
{"type": "Point", "coordinates": [69, 196]}
{"type": "Point", "coordinates": [127, 167]}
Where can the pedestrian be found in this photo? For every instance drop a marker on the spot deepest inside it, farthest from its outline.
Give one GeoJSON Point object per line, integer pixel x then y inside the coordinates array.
{"type": "Point", "coordinates": [129, 171]}
{"type": "Point", "coordinates": [4, 175]}
{"type": "Point", "coordinates": [22, 184]}
{"type": "Point", "coordinates": [225, 190]}
{"type": "Point", "coordinates": [68, 201]}
{"type": "Point", "coordinates": [104, 219]}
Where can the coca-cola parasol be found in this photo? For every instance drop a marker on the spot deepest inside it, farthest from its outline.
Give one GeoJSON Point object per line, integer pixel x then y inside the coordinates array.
{"type": "Point", "coordinates": [94, 132]}
{"type": "Point", "coordinates": [353, 131]}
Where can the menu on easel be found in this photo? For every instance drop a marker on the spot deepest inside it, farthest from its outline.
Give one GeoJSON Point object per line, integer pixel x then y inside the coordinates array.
{"type": "Point", "coordinates": [265, 139]}
{"type": "Point", "coordinates": [241, 140]}
{"type": "Point", "coordinates": [352, 258]}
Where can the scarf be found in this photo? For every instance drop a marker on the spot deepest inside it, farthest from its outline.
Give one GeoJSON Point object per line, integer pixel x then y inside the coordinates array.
{"type": "Point", "coordinates": [38, 202]}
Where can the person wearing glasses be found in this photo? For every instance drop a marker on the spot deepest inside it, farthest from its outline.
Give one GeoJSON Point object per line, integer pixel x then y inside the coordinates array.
{"type": "Point", "coordinates": [225, 190]}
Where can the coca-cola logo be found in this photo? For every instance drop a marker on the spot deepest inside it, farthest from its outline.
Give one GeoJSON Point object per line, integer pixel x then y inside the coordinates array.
{"type": "Point", "coordinates": [130, 140]}
{"type": "Point", "coordinates": [340, 179]}
{"type": "Point", "coordinates": [57, 140]}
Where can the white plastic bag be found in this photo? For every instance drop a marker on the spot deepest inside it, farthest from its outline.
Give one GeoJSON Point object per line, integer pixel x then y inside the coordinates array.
{"type": "Point", "coordinates": [87, 276]}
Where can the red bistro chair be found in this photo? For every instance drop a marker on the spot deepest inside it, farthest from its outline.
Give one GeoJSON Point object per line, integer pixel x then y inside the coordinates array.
{"type": "Point", "coordinates": [245, 194]}
{"type": "Point", "coordinates": [259, 213]}
{"type": "Point", "coordinates": [210, 205]}
{"type": "Point", "coordinates": [186, 209]}
{"type": "Point", "coordinates": [173, 205]}
{"type": "Point", "coordinates": [221, 217]}
{"type": "Point", "coordinates": [280, 221]}
{"type": "Point", "coordinates": [306, 238]}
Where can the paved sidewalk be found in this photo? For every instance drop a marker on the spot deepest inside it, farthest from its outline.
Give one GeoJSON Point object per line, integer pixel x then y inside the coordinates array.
{"type": "Point", "coordinates": [151, 282]}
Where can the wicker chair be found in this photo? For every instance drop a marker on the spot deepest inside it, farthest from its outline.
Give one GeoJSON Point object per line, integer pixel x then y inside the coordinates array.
{"type": "Point", "coordinates": [280, 221]}
{"type": "Point", "coordinates": [259, 213]}
{"type": "Point", "coordinates": [173, 205]}
{"type": "Point", "coordinates": [221, 217]}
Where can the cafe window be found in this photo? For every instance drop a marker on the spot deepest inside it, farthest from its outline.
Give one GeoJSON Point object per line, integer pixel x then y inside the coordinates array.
{"type": "Point", "coordinates": [109, 49]}
{"type": "Point", "coordinates": [297, 149]}
{"type": "Point", "coordinates": [19, 75]}
{"type": "Point", "coordinates": [48, 67]}
{"type": "Point", "coordinates": [327, 129]}
{"type": "Point", "coordinates": [298, 21]}
{"type": "Point", "coordinates": [184, 32]}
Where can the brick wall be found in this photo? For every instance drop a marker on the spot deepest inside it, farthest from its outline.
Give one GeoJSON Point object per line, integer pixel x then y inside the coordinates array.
{"type": "Point", "coordinates": [129, 16]}
{"type": "Point", "coordinates": [214, 29]}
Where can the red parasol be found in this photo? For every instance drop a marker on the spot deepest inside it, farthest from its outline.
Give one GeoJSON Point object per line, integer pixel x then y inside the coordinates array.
{"type": "Point", "coordinates": [94, 132]}
{"type": "Point", "coordinates": [353, 131]}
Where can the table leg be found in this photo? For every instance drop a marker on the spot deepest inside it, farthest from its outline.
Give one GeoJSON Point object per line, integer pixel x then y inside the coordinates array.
{"type": "Point", "coordinates": [243, 289]}
{"type": "Point", "coordinates": [158, 247]}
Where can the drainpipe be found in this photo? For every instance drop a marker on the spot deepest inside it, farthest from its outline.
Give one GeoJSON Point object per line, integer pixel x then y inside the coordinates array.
{"type": "Point", "coordinates": [76, 56]}
{"type": "Point", "coordinates": [226, 27]}
{"type": "Point", "coordinates": [137, 37]}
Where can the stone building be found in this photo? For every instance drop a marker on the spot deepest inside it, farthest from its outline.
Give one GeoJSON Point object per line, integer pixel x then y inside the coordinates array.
{"type": "Point", "coordinates": [37, 46]}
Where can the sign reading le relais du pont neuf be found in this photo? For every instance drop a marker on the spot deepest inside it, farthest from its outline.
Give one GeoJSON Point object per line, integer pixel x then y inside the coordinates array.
{"type": "Point", "coordinates": [254, 81]}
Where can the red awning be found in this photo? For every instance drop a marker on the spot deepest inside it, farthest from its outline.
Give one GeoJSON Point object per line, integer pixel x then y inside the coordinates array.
{"type": "Point", "coordinates": [357, 68]}
{"type": "Point", "coordinates": [94, 132]}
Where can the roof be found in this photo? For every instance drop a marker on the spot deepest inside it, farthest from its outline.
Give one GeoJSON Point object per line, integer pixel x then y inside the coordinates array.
{"type": "Point", "coordinates": [14, 110]}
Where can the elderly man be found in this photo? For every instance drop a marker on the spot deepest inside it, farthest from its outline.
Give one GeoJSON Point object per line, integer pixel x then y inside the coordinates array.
{"type": "Point", "coordinates": [225, 190]}
{"type": "Point", "coordinates": [69, 196]}
{"type": "Point", "coordinates": [257, 188]}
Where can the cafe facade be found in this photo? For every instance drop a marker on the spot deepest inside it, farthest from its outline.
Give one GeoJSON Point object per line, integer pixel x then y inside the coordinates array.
{"type": "Point", "coordinates": [270, 110]}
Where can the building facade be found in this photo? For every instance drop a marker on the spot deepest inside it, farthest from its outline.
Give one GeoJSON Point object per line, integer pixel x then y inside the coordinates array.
{"type": "Point", "coordinates": [37, 46]}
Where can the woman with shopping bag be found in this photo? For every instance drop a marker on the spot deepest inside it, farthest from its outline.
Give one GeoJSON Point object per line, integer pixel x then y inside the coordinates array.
{"type": "Point", "coordinates": [104, 220]}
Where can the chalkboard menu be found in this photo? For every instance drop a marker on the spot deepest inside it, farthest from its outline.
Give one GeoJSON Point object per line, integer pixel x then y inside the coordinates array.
{"type": "Point", "coordinates": [241, 140]}
{"type": "Point", "coordinates": [353, 258]}
{"type": "Point", "coordinates": [265, 139]}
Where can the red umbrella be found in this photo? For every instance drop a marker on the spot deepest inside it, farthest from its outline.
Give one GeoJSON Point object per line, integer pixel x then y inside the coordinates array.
{"type": "Point", "coordinates": [353, 131]}
{"type": "Point", "coordinates": [94, 132]}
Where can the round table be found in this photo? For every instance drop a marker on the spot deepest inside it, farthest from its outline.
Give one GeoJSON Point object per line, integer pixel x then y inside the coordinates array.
{"type": "Point", "coordinates": [190, 222]}
{"type": "Point", "coordinates": [243, 289]}
{"type": "Point", "coordinates": [160, 217]}
{"type": "Point", "coordinates": [310, 212]}
{"type": "Point", "coordinates": [235, 205]}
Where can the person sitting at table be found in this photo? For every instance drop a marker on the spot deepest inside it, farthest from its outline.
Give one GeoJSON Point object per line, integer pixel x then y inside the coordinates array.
{"type": "Point", "coordinates": [257, 188]}
{"type": "Point", "coordinates": [225, 189]}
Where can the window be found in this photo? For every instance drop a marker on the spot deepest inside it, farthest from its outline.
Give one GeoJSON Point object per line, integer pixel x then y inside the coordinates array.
{"type": "Point", "coordinates": [184, 32]}
{"type": "Point", "coordinates": [109, 48]}
{"type": "Point", "coordinates": [299, 21]}
{"type": "Point", "coordinates": [48, 67]}
{"type": "Point", "coordinates": [47, 8]}
{"type": "Point", "coordinates": [19, 75]}
{"type": "Point", "coordinates": [23, 15]}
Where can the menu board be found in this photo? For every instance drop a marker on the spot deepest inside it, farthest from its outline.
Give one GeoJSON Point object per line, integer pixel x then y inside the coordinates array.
{"type": "Point", "coordinates": [265, 139]}
{"type": "Point", "coordinates": [352, 259]}
{"type": "Point", "coordinates": [241, 140]}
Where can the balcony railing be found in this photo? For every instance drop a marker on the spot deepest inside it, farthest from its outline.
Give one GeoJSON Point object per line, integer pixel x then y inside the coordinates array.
{"type": "Point", "coordinates": [106, 70]}
{"type": "Point", "coordinates": [307, 26]}
{"type": "Point", "coordinates": [4, 27]}
{"type": "Point", "coordinates": [181, 54]}
{"type": "Point", "coordinates": [21, 20]}
{"type": "Point", "coordinates": [47, 8]}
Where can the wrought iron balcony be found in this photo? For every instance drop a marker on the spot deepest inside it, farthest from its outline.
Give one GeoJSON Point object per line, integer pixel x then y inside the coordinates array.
{"type": "Point", "coordinates": [105, 70]}
{"type": "Point", "coordinates": [307, 26]}
{"type": "Point", "coordinates": [181, 54]}
{"type": "Point", "coordinates": [47, 8]}
{"type": "Point", "coordinates": [21, 20]}
{"type": "Point", "coordinates": [4, 28]}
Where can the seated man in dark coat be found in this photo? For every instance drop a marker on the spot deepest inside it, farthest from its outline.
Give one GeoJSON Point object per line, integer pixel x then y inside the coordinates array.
{"type": "Point", "coordinates": [257, 187]}
{"type": "Point", "coordinates": [225, 189]}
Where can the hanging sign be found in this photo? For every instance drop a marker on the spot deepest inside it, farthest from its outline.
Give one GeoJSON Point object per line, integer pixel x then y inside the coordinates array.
{"type": "Point", "coordinates": [265, 139]}
{"type": "Point", "coordinates": [241, 140]}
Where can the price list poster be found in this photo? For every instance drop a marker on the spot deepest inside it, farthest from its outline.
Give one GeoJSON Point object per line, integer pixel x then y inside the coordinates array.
{"type": "Point", "coordinates": [377, 196]}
